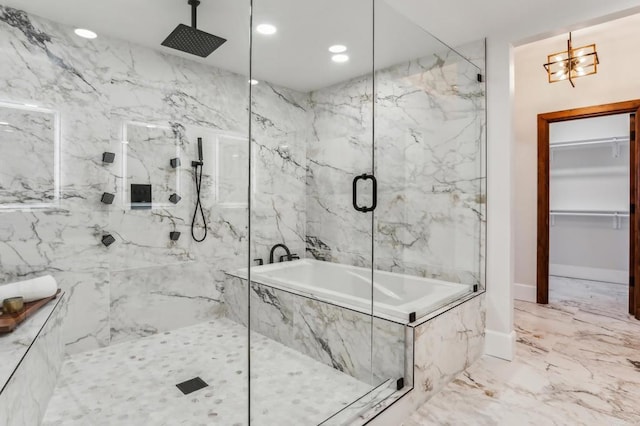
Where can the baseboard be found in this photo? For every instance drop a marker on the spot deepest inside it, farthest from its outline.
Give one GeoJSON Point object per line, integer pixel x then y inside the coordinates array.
{"type": "Point", "coordinates": [500, 345]}
{"type": "Point", "coordinates": [525, 292]}
{"type": "Point", "coordinates": [593, 274]}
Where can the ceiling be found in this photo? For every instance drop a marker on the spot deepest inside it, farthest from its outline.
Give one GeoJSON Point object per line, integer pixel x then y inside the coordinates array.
{"type": "Point", "coordinates": [296, 56]}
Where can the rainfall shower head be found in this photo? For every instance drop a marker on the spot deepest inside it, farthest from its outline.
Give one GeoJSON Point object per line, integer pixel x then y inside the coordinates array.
{"type": "Point", "coordinates": [192, 40]}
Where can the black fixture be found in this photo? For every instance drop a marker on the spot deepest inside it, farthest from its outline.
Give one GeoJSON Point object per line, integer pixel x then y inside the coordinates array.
{"type": "Point", "coordinates": [108, 239]}
{"type": "Point", "coordinates": [197, 172]}
{"type": "Point", "coordinates": [412, 317]}
{"type": "Point", "coordinates": [174, 235]}
{"type": "Point", "coordinates": [191, 385]}
{"type": "Point", "coordinates": [289, 257]}
{"type": "Point", "coordinates": [400, 383]}
{"type": "Point", "coordinates": [480, 79]}
{"type": "Point", "coordinates": [107, 198]}
{"type": "Point", "coordinates": [374, 203]}
{"type": "Point", "coordinates": [274, 248]}
{"type": "Point", "coordinates": [475, 288]}
{"type": "Point", "coordinates": [175, 162]}
{"type": "Point", "coordinates": [140, 196]}
{"type": "Point", "coordinates": [108, 157]}
{"type": "Point", "coordinates": [174, 198]}
{"type": "Point", "coordinates": [260, 262]}
{"type": "Point", "coordinates": [191, 39]}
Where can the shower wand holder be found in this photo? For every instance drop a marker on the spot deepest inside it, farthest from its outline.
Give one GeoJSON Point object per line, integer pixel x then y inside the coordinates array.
{"type": "Point", "coordinates": [196, 163]}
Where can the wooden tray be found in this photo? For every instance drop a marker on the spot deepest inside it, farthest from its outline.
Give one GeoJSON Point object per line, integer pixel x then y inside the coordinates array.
{"type": "Point", "coordinates": [8, 322]}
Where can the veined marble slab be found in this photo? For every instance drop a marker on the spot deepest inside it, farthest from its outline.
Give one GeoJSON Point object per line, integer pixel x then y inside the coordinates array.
{"type": "Point", "coordinates": [336, 336]}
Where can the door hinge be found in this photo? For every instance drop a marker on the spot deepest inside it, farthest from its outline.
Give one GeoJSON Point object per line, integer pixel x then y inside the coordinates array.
{"type": "Point", "coordinates": [632, 208]}
{"type": "Point", "coordinates": [632, 281]}
{"type": "Point", "coordinates": [479, 77]}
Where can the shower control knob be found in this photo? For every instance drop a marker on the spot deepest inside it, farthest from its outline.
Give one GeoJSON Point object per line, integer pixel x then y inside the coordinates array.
{"type": "Point", "coordinates": [174, 235]}
{"type": "Point", "coordinates": [175, 162]}
{"type": "Point", "coordinates": [174, 198]}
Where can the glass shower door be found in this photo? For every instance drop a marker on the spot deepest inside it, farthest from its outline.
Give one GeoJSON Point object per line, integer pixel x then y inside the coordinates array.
{"type": "Point", "coordinates": [429, 160]}
{"type": "Point", "coordinates": [312, 195]}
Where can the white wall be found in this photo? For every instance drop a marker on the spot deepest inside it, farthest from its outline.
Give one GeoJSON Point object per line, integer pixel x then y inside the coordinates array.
{"type": "Point", "coordinates": [614, 82]}
{"type": "Point", "coordinates": [590, 178]}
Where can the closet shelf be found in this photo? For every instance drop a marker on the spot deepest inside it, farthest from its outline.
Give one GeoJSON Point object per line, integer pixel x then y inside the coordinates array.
{"type": "Point", "coordinates": [590, 171]}
{"type": "Point", "coordinates": [586, 142]}
{"type": "Point", "coordinates": [615, 215]}
{"type": "Point", "coordinates": [592, 213]}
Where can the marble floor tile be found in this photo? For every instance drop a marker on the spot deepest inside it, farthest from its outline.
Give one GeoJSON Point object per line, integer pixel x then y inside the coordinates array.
{"type": "Point", "coordinates": [133, 383]}
{"type": "Point", "coordinates": [577, 363]}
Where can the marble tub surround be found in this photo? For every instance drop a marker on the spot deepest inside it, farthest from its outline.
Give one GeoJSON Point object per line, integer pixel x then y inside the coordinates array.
{"type": "Point", "coordinates": [333, 335]}
{"type": "Point", "coordinates": [572, 366]}
{"type": "Point", "coordinates": [32, 357]}
{"type": "Point", "coordinates": [444, 346]}
{"type": "Point", "coordinates": [287, 387]}
{"type": "Point", "coordinates": [107, 92]}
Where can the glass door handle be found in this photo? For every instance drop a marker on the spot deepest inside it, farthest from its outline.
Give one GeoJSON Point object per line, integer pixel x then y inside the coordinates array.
{"type": "Point", "coordinates": [374, 203]}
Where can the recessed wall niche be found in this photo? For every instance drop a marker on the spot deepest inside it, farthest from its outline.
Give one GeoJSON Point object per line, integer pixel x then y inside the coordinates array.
{"type": "Point", "coordinates": [146, 151]}
{"type": "Point", "coordinates": [232, 151]}
{"type": "Point", "coordinates": [29, 156]}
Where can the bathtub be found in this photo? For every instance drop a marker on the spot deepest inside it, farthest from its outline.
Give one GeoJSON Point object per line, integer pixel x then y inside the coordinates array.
{"type": "Point", "coordinates": [396, 297]}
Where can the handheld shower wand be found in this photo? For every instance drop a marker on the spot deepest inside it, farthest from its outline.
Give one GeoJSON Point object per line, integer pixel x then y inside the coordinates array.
{"type": "Point", "coordinates": [198, 178]}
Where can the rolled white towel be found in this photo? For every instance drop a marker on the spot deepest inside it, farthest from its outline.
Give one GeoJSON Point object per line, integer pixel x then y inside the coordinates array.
{"type": "Point", "coordinates": [30, 290]}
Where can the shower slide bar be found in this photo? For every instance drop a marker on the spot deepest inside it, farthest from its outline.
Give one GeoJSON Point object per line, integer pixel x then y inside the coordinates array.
{"type": "Point", "coordinates": [615, 215]}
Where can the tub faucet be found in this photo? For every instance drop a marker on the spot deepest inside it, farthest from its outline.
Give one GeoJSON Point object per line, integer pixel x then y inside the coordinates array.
{"type": "Point", "coordinates": [273, 249]}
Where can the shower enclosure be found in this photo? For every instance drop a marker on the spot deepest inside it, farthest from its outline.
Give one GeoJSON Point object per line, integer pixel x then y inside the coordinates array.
{"type": "Point", "coordinates": [342, 186]}
{"type": "Point", "coordinates": [366, 162]}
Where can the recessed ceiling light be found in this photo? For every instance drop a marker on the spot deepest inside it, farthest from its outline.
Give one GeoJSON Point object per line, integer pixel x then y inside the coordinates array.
{"type": "Point", "coordinates": [253, 82]}
{"type": "Point", "coordinates": [338, 48]}
{"type": "Point", "coordinates": [340, 58]}
{"type": "Point", "coordinates": [266, 29]}
{"type": "Point", "coordinates": [31, 105]}
{"type": "Point", "coordinates": [81, 32]}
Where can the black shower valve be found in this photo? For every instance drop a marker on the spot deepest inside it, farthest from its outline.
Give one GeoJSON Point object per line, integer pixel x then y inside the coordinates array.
{"type": "Point", "coordinates": [175, 198]}
{"type": "Point", "coordinates": [174, 235]}
{"type": "Point", "coordinates": [108, 239]}
{"type": "Point", "coordinates": [175, 162]}
{"type": "Point", "coordinates": [108, 157]}
{"type": "Point", "coordinates": [107, 198]}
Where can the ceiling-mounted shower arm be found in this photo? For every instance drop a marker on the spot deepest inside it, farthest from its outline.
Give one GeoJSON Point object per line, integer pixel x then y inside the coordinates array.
{"type": "Point", "coordinates": [194, 12]}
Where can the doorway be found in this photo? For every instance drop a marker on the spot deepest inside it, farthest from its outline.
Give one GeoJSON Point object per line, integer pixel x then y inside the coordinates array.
{"type": "Point", "coordinates": [545, 215]}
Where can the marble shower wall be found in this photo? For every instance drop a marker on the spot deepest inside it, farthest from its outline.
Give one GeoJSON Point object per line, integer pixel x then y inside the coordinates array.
{"type": "Point", "coordinates": [429, 133]}
{"type": "Point", "coordinates": [114, 96]}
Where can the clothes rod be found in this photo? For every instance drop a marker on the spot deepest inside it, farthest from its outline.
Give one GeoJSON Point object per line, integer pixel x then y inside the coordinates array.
{"type": "Point", "coordinates": [584, 142]}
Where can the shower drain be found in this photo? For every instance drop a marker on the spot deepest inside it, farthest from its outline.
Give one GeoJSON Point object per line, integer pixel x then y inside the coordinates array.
{"type": "Point", "coordinates": [192, 385]}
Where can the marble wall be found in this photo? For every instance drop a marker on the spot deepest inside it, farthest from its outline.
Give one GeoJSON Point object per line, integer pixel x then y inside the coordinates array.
{"type": "Point", "coordinates": [146, 107]}
{"type": "Point", "coordinates": [428, 157]}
